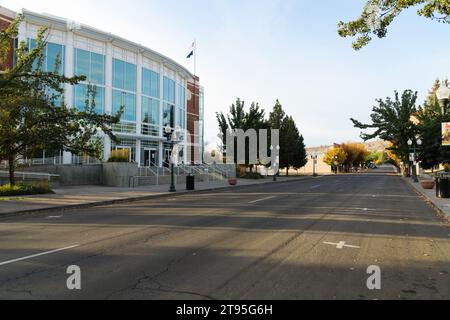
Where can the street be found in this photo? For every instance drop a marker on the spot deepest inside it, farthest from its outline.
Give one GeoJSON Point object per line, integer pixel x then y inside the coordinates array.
{"type": "Point", "coordinates": [305, 239]}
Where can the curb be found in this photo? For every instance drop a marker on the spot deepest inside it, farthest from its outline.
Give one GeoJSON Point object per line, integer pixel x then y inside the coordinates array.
{"type": "Point", "coordinates": [425, 198]}
{"type": "Point", "coordinates": [138, 198]}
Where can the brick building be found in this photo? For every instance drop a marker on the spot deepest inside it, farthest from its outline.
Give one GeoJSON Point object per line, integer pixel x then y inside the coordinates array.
{"type": "Point", "coordinates": [6, 17]}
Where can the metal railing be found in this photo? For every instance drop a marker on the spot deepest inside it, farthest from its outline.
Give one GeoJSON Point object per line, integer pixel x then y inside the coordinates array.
{"type": "Point", "coordinates": [212, 172]}
{"type": "Point", "coordinates": [30, 175]}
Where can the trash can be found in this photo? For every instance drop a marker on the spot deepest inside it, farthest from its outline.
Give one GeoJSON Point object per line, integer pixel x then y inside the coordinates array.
{"type": "Point", "coordinates": [443, 186]}
{"type": "Point", "coordinates": [190, 182]}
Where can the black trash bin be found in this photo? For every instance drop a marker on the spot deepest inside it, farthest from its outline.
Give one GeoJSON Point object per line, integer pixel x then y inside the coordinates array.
{"type": "Point", "coordinates": [444, 187]}
{"type": "Point", "coordinates": [190, 182]}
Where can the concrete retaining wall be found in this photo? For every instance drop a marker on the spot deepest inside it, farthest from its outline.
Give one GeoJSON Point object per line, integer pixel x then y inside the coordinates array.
{"type": "Point", "coordinates": [113, 175]}
{"type": "Point", "coordinates": [71, 175]}
{"type": "Point", "coordinates": [116, 174]}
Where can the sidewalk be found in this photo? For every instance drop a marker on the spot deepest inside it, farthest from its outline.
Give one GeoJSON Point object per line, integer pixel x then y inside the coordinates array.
{"type": "Point", "coordinates": [88, 196]}
{"type": "Point", "coordinates": [442, 205]}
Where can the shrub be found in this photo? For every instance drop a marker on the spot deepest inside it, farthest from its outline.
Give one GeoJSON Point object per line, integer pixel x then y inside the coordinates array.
{"type": "Point", "coordinates": [21, 189]}
{"type": "Point", "coordinates": [252, 175]}
{"type": "Point", "coordinates": [120, 156]}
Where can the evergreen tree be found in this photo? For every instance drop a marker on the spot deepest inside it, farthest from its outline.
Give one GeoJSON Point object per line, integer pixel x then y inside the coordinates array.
{"type": "Point", "coordinates": [292, 152]}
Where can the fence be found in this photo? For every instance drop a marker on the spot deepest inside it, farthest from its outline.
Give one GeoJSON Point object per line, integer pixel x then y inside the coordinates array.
{"type": "Point", "coordinates": [30, 176]}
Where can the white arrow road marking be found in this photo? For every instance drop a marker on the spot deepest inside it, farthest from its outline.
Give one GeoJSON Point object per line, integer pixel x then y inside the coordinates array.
{"type": "Point", "coordinates": [315, 187]}
{"type": "Point", "coordinates": [53, 217]}
{"type": "Point", "coordinates": [342, 245]}
{"type": "Point", "coordinates": [256, 201]}
{"type": "Point", "coordinates": [38, 255]}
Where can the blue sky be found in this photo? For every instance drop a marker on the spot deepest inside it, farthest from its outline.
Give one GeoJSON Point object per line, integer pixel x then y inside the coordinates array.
{"type": "Point", "coordinates": [261, 50]}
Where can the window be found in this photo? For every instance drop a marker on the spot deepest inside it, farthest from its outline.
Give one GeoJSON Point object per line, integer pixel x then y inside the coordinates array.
{"type": "Point", "coordinates": [53, 57]}
{"type": "Point", "coordinates": [150, 111]}
{"type": "Point", "coordinates": [150, 83]}
{"type": "Point", "coordinates": [53, 54]}
{"type": "Point", "coordinates": [92, 66]}
{"type": "Point", "coordinates": [97, 68]}
{"type": "Point", "coordinates": [169, 101]}
{"type": "Point", "coordinates": [150, 116]}
{"type": "Point", "coordinates": [181, 107]}
{"type": "Point", "coordinates": [81, 91]}
{"type": "Point", "coordinates": [82, 63]}
{"type": "Point", "coordinates": [124, 75]}
{"type": "Point", "coordinates": [169, 90]}
{"type": "Point", "coordinates": [124, 94]}
{"type": "Point", "coordinates": [128, 101]}
{"type": "Point", "coordinates": [168, 115]}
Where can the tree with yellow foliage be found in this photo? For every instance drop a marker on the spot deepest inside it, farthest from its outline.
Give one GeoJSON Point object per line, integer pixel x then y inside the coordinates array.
{"type": "Point", "coordinates": [335, 157]}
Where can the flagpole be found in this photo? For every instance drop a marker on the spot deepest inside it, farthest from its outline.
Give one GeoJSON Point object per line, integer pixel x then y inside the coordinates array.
{"type": "Point", "coordinates": [195, 73]}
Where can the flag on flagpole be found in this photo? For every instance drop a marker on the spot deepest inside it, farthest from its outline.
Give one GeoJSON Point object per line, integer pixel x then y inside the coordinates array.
{"type": "Point", "coordinates": [191, 50]}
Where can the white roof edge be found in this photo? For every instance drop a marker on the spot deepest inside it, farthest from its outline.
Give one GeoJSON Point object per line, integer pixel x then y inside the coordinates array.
{"type": "Point", "coordinates": [7, 12]}
{"type": "Point", "coordinates": [109, 36]}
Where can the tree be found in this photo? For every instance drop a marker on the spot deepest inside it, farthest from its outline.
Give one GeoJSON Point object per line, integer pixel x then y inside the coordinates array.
{"type": "Point", "coordinates": [335, 157]}
{"type": "Point", "coordinates": [430, 118]}
{"type": "Point", "coordinates": [392, 157]}
{"type": "Point", "coordinates": [292, 152]}
{"type": "Point", "coordinates": [32, 113]}
{"type": "Point", "coordinates": [292, 146]}
{"type": "Point", "coordinates": [378, 15]}
{"type": "Point", "coordinates": [391, 120]}
{"type": "Point", "coordinates": [255, 119]}
{"type": "Point", "coordinates": [277, 116]}
{"type": "Point", "coordinates": [376, 157]}
{"type": "Point", "coordinates": [356, 155]}
{"type": "Point", "coordinates": [238, 118]}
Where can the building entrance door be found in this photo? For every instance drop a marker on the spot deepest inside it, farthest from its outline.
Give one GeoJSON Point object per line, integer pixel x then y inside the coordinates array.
{"type": "Point", "coordinates": [149, 157]}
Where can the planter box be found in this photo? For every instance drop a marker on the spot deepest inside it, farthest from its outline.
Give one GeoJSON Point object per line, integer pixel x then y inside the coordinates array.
{"type": "Point", "coordinates": [429, 184]}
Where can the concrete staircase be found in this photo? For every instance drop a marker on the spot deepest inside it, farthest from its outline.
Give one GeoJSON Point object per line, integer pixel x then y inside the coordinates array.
{"type": "Point", "coordinates": [162, 176]}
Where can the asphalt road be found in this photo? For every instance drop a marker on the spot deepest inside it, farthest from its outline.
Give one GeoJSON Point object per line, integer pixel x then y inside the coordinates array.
{"type": "Point", "coordinates": [283, 241]}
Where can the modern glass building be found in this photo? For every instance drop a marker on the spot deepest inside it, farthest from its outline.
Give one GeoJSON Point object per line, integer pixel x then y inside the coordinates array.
{"type": "Point", "coordinates": [152, 88]}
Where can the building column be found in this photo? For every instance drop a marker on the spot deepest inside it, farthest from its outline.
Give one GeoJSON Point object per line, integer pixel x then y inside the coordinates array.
{"type": "Point", "coordinates": [68, 88]}
{"type": "Point", "coordinates": [138, 152]}
{"type": "Point", "coordinates": [108, 78]}
{"type": "Point", "coordinates": [106, 148]}
{"type": "Point", "coordinates": [161, 100]}
{"type": "Point", "coordinates": [139, 95]}
{"type": "Point", "coordinates": [161, 152]}
{"type": "Point", "coordinates": [67, 157]}
{"type": "Point", "coordinates": [22, 32]}
{"type": "Point", "coordinates": [69, 69]}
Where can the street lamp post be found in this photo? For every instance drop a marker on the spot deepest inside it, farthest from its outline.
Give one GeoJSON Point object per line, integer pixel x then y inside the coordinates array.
{"type": "Point", "coordinates": [443, 96]}
{"type": "Point", "coordinates": [415, 145]}
{"type": "Point", "coordinates": [314, 158]}
{"type": "Point", "coordinates": [335, 158]}
{"type": "Point", "coordinates": [171, 136]}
